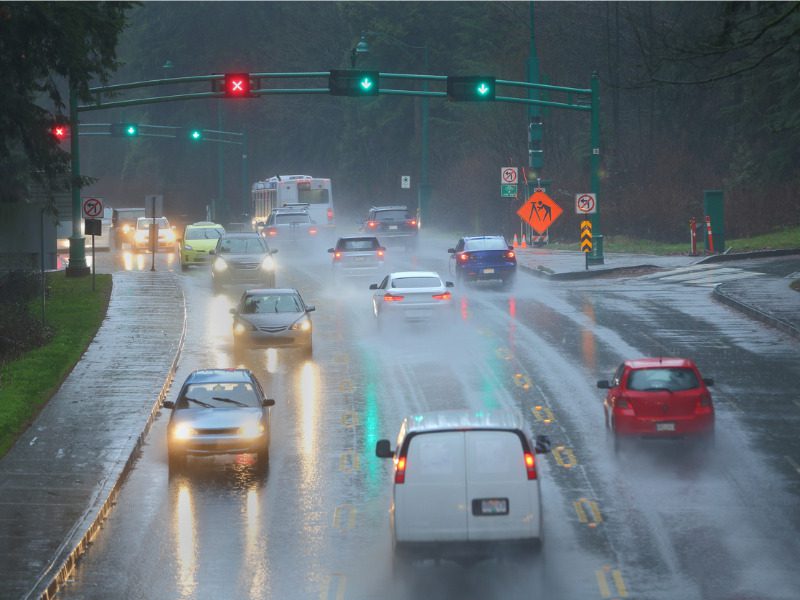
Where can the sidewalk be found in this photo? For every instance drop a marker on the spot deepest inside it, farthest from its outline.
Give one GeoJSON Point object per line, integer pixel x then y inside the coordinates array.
{"type": "Point", "coordinates": [767, 298]}
{"type": "Point", "coordinates": [62, 476]}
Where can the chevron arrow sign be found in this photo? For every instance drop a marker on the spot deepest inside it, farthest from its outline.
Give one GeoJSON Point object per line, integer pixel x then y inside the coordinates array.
{"type": "Point", "coordinates": [586, 236]}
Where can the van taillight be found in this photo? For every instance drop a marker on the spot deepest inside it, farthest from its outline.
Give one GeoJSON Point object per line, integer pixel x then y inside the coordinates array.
{"type": "Point", "coordinates": [530, 465]}
{"type": "Point", "coordinates": [400, 470]}
{"type": "Point", "coordinates": [312, 231]}
{"type": "Point", "coordinates": [330, 214]}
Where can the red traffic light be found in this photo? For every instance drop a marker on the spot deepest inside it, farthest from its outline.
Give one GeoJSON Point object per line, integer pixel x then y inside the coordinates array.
{"type": "Point", "coordinates": [237, 85]}
{"type": "Point", "coordinates": [60, 132]}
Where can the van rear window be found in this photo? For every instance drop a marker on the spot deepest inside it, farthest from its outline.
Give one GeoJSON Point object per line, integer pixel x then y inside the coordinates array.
{"type": "Point", "coordinates": [495, 456]}
{"type": "Point", "coordinates": [435, 458]}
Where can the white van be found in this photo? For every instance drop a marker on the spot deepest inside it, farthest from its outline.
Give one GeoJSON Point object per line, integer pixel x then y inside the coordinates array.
{"type": "Point", "coordinates": [466, 484]}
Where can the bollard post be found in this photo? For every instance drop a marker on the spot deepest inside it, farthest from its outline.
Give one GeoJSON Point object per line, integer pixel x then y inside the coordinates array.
{"type": "Point", "coordinates": [693, 235]}
{"type": "Point", "coordinates": [710, 235]}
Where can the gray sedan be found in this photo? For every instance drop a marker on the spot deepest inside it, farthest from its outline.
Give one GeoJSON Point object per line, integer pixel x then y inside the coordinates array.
{"type": "Point", "coordinates": [269, 318]}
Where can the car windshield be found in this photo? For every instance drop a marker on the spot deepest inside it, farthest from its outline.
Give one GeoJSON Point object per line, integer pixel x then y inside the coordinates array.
{"type": "Point", "coordinates": [218, 395]}
{"type": "Point", "coordinates": [288, 218]}
{"type": "Point", "coordinates": [145, 223]}
{"type": "Point", "coordinates": [204, 233]}
{"type": "Point", "coordinates": [391, 215]}
{"type": "Point", "coordinates": [493, 243]}
{"type": "Point", "coordinates": [673, 379]}
{"type": "Point", "coordinates": [416, 282]}
{"type": "Point", "coordinates": [250, 245]}
{"type": "Point", "coordinates": [272, 303]}
{"type": "Point", "coordinates": [358, 244]}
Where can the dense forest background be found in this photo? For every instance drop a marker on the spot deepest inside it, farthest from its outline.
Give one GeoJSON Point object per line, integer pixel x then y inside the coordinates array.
{"type": "Point", "coordinates": [694, 96]}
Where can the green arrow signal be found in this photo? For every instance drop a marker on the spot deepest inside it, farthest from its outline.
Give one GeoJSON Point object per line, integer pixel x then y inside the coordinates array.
{"type": "Point", "coordinates": [196, 135]}
{"type": "Point", "coordinates": [483, 89]}
{"type": "Point", "coordinates": [130, 130]}
{"type": "Point", "coordinates": [366, 83]}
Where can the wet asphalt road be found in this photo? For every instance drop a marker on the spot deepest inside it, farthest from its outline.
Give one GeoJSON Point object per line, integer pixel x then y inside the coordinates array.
{"type": "Point", "coordinates": [660, 520]}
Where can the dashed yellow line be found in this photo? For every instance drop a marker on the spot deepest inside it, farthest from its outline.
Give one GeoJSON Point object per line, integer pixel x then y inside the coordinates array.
{"type": "Point", "coordinates": [543, 414]}
{"type": "Point", "coordinates": [504, 353]}
{"type": "Point", "coordinates": [585, 508]}
{"type": "Point", "coordinates": [522, 381]}
{"type": "Point", "coordinates": [339, 586]}
{"type": "Point", "coordinates": [339, 514]}
{"type": "Point", "coordinates": [565, 457]}
{"type": "Point", "coordinates": [616, 578]}
{"type": "Point", "coordinates": [348, 461]}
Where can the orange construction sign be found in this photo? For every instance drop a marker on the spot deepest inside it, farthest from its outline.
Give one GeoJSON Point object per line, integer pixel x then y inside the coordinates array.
{"type": "Point", "coordinates": [539, 211]}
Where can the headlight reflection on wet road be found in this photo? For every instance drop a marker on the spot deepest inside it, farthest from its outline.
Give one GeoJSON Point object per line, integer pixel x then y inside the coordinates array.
{"type": "Point", "coordinates": [186, 543]}
{"type": "Point", "coordinates": [256, 569]}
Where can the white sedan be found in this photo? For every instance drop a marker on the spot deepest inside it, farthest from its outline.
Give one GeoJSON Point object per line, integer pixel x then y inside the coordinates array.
{"type": "Point", "coordinates": [412, 295]}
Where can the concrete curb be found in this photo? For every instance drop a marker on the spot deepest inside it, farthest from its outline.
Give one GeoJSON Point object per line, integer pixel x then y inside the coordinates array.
{"type": "Point", "coordinates": [720, 295]}
{"type": "Point", "coordinates": [743, 255]}
{"type": "Point", "coordinates": [575, 275]}
{"type": "Point", "coordinates": [87, 526]}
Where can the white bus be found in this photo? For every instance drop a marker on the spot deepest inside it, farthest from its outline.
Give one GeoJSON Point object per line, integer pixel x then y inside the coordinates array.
{"type": "Point", "coordinates": [312, 193]}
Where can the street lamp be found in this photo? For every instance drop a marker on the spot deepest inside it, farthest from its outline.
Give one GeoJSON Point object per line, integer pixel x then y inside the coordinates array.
{"type": "Point", "coordinates": [424, 189]}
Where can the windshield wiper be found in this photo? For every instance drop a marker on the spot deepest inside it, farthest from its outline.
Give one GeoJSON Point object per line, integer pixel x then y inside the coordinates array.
{"type": "Point", "coordinates": [196, 401]}
{"type": "Point", "coordinates": [229, 400]}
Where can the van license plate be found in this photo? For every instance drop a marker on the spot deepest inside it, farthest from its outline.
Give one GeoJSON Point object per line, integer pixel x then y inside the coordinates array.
{"type": "Point", "coordinates": [665, 426]}
{"type": "Point", "coordinates": [392, 226]}
{"type": "Point", "coordinates": [488, 271]}
{"type": "Point", "coordinates": [490, 506]}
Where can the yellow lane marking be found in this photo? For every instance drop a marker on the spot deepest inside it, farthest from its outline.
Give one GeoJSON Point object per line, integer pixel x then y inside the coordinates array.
{"type": "Point", "coordinates": [543, 414]}
{"type": "Point", "coordinates": [560, 452]}
{"type": "Point", "coordinates": [349, 511]}
{"type": "Point", "coordinates": [339, 586]}
{"type": "Point", "coordinates": [350, 419]}
{"type": "Point", "coordinates": [585, 508]}
{"type": "Point", "coordinates": [504, 353]}
{"type": "Point", "coordinates": [616, 577]}
{"type": "Point", "coordinates": [522, 381]}
{"type": "Point", "coordinates": [793, 463]}
{"type": "Point", "coordinates": [348, 461]}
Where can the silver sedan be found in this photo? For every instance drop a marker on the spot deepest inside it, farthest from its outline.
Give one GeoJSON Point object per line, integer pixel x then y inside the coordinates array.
{"type": "Point", "coordinates": [271, 318]}
{"type": "Point", "coordinates": [412, 295]}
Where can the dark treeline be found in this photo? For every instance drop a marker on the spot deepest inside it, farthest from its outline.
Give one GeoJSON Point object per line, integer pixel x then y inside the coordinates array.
{"type": "Point", "coordinates": [694, 96]}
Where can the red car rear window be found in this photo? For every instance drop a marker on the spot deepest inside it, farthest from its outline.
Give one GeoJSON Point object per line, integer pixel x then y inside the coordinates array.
{"type": "Point", "coordinates": [673, 380]}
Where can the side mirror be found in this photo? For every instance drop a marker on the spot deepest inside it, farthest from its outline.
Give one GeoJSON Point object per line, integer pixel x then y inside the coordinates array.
{"type": "Point", "coordinates": [451, 250]}
{"type": "Point", "coordinates": [331, 250]}
{"type": "Point", "coordinates": [449, 284]}
{"type": "Point", "coordinates": [168, 404]}
{"type": "Point", "coordinates": [212, 252]}
{"type": "Point", "coordinates": [383, 449]}
{"type": "Point", "coordinates": [542, 444]}
{"type": "Point", "coordinates": [233, 311]}
{"type": "Point", "coordinates": [373, 286]}
{"type": "Point", "coordinates": [603, 384]}
{"type": "Point", "coordinates": [268, 402]}
{"type": "Point", "coordinates": [708, 381]}
{"type": "Point", "coordinates": [311, 308]}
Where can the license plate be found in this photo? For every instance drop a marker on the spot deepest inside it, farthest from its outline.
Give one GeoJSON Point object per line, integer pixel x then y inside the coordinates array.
{"type": "Point", "coordinates": [359, 258]}
{"type": "Point", "coordinates": [665, 426]}
{"type": "Point", "coordinates": [392, 226]}
{"type": "Point", "coordinates": [490, 506]}
{"type": "Point", "coordinates": [488, 271]}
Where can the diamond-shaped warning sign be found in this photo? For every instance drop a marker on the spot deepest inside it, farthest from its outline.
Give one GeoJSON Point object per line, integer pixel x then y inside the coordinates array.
{"type": "Point", "coordinates": [539, 211]}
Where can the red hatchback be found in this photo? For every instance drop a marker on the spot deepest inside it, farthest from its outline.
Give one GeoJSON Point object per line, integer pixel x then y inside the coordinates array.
{"type": "Point", "coordinates": [658, 397]}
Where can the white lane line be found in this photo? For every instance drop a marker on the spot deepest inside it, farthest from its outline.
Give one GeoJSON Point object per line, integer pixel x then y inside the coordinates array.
{"type": "Point", "coordinates": [33, 441]}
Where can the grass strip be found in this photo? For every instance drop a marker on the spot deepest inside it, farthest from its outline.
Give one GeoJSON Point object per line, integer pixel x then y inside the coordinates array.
{"type": "Point", "coordinates": [74, 313]}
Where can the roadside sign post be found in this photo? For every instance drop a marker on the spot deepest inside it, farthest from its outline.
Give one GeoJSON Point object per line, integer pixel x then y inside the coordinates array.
{"type": "Point", "coordinates": [92, 212]}
{"type": "Point", "coordinates": [153, 207]}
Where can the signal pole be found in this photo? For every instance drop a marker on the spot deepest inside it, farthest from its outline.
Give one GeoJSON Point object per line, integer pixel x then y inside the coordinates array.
{"type": "Point", "coordinates": [535, 157]}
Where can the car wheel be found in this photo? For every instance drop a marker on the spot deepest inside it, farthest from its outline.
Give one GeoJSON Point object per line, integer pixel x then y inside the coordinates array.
{"type": "Point", "coordinates": [262, 459]}
{"type": "Point", "coordinates": [177, 461]}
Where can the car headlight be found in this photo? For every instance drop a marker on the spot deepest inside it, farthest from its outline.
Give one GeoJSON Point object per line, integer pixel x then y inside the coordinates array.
{"type": "Point", "coordinates": [268, 264]}
{"type": "Point", "coordinates": [169, 235]}
{"type": "Point", "coordinates": [183, 432]}
{"type": "Point", "coordinates": [251, 430]}
{"type": "Point", "coordinates": [220, 264]}
{"type": "Point", "coordinates": [126, 228]}
{"type": "Point", "coordinates": [239, 328]}
{"type": "Point", "coordinates": [303, 324]}
{"type": "Point", "coordinates": [187, 247]}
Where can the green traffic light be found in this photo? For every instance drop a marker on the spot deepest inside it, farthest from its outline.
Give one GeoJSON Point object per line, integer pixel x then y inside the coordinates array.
{"type": "Point", "coordinates": [366, 83]}
{"type": "Point", "coordinates": [483, 89]}
{"type": "Point", "coordinates": [195, 134]}
{"type": "Point", "coordinates": [131, 130]}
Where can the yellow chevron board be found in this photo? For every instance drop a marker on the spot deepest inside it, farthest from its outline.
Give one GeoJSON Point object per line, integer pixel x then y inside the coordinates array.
{"type": "Point", "coordinates": [586, 236]}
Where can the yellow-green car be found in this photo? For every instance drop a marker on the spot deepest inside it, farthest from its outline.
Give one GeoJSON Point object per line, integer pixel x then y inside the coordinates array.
{"type": "Point", "coordinates": [198, 239]}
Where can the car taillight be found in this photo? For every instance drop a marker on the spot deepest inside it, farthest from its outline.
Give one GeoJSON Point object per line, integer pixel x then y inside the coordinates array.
{"type": "Point", "coordinates": [380, 253]}
{"type": "Point", "coordinates": [312, 231]}
{"type": "Point", "coordinates": [372, 224]}
{"type": "Point", "coordinates": [330, 214]}
{"type": "Point", "coordinates": [337, 256]}
{"type": "Point", "coordinates": [510, 254]}
{"type": "Point", "coordinates": [530, 465]}
{"type": "Point", "coordinates": [272, 231]}
{"type": "Point", "coordinates": [444, 296]}
{"type": "Point", "coordinates": [391, 298]}
{"type": "Point", "coordinates": [412, 222]}
{"type": "Point", "coordinates": [400, 470]}
{"type": "Point", "coordinates": [463, 257]}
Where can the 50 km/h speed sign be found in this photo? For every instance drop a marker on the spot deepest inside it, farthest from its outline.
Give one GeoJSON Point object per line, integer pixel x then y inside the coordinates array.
{"type": "Point", "coordinates": [585, 204]}
{"type": "Point", "coordinates": [92, 208]}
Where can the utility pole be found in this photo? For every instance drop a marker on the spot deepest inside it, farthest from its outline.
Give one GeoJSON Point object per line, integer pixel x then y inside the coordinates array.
{"type": "Point", "coordinates": [535, 155]}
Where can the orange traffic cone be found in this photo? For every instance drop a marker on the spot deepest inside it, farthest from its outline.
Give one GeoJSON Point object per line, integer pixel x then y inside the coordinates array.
{"type": "Point", "coordinates": [515, 243]}
{"type": "Point", "coordinates": [523, 244]}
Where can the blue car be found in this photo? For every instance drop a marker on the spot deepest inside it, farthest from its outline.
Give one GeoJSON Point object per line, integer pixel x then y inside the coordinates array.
{"type": "Point", "coordinates": [486, 257]}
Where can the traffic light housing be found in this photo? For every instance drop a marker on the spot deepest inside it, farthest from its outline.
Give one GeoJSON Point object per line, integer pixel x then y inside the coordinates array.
{"type": "Point", "coordinates": [124, 129]}
{"type": "Point", "coordinates": [470, 88]}
{"type": "Point", "coordinates": [60, 131]}
{"type": "Point", "coordinates": [352, 82]}
{"type": "Point", "coordinates": [237, 85]}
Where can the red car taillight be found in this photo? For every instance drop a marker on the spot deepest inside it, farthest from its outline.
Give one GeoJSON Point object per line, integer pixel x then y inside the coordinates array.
{"type": "Point", "coordinates": [400, 470]}
{"type": "Point", "coordinates": [530, 465]}
{"type": "Point", "coordinates": [444, 296]}
{"type": "Point", "coordinates": [272, 231]}
{"type": "Point", "coordinates": [412, 222]}
{"type": "Point", "coordinates": [372, 224]}
{"type": "Point", "coordinates": [463, 257]}
{"type": "Point", "coordinates": [380, 253]}
{"type": "Point", "coordinates": [337, 256]}
{"type": "Point", "coordinates": [391, 298]}
{"type": "Point", "coordinates": [312, 231]}
{"type": "Point", "coordinates": [510, 254]}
